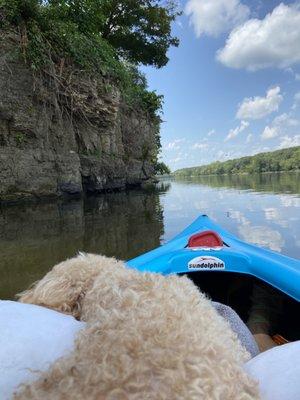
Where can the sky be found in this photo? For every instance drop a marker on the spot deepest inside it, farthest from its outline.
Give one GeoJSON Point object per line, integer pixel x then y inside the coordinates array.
{"type": "Point", "coordinates": [232, 87]}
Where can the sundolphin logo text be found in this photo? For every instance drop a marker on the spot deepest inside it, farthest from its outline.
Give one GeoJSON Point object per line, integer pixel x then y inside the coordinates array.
{"type": "Point", "coordinates": [206, 262]}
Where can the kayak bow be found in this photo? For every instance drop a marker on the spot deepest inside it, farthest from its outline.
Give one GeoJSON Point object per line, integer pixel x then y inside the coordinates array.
{"type": "Point", "coordinates": [182, 254]}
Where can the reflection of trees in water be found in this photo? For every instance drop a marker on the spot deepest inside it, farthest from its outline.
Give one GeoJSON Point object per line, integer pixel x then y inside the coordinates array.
{"type": "Point", "coordinates": [268, 182]}
{"type": "Point", "coordinates": [123, 224]}
{"type": "Point", "coordinates": [35, 237]}
{"type": "Point", "coordinates": [160, 187]}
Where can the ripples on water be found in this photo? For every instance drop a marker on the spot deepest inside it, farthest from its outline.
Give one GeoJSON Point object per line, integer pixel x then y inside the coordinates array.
{"type": "Point", "coordinates": [262, 209]}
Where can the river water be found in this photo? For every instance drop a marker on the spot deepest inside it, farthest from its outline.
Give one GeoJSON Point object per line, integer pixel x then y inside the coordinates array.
{"type": "Point", "coordinates": [262, 209]}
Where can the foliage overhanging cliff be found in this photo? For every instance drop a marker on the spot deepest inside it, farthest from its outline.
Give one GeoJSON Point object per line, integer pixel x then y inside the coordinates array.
{"type": "Point", "coordinates": [75, 112]}
{"type": "Point", "coordinates": [274, 161]}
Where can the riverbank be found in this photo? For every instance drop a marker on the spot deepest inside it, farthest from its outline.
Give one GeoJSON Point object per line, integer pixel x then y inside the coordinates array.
{"type": "Point", "coordinates": [284, 160]}
{"type": "Point", "coordinates": [297, 171]}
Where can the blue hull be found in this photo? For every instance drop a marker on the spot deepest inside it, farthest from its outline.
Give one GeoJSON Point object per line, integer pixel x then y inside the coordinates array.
{"type": "Point", "coordinates": [174, 257]}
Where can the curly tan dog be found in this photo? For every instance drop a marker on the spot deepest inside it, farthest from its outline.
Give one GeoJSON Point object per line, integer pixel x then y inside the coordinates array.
{"type": "Point", "coordinates": [147, 337]}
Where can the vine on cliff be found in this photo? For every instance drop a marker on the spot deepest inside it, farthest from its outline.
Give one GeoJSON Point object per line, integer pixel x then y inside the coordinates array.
{"type": "Point", "coordinates": [103, 39]}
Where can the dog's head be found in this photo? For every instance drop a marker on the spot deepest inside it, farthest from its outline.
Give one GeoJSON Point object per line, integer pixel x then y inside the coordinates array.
{"type": "Point", "coordinates": [65, 286]}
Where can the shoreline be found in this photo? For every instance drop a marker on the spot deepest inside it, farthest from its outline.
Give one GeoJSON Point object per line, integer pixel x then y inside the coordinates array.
{"type": "Point", "coordinates": [235, 174]}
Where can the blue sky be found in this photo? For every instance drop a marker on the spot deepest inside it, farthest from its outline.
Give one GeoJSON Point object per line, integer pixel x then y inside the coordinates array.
{"type": "Point", "coordinates": [232, 87]}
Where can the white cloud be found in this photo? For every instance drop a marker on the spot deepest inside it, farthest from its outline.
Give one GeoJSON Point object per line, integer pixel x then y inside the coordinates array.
{"type": "Point", "coordinates": [213, 17]}
{"type": "Point", "coordinates": [279, 126]}
{"type": "Point", "coordinates": [289, 141]}
{"type": "Point", "coordinates": [249, 138]}
{"type": "Point", "coordinates": [222, 155]}
{"type": "Point", "coordinates": [276, 216]}
{"type": "Point", "coordinates": [239, 217]}
{"type": "Point", "coordinates": [296, 100]}
{"type": "Point", "coordinates": [200, 146]}
{"type": "Point", "coordinates": [290, 201]}
{"type": "Point", "coordinates": [234, 132]}
{"type": "Point", "coordinates": [296, 75]}
{"type": "Point", "coordinates": [176, 160]}
{"type": "Point", "coordinates": [180, 24]}
{"type": "Point", "coordinates": [262, 236]}
{"type": "Point", "coordinates": [211, 132]}
{"type": "Point", "coordinates": [272, 213]}
{"type": "Point", "coordinates": [270, 132]}
{"type": "Point", "coordinates": [175, 145]}
{"type": "Point", "coordinates": [258, 107]}
{"type": "Point", "coordinates": [285, 120]}
{"type": "Point", "coordinates": [270, 42]}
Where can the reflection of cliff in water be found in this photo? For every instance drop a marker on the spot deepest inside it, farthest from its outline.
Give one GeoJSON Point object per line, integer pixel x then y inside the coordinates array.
{"type": "Point", "coordinates": [288, 182]}
{"type": "Point", "coordinates": [35, 237]}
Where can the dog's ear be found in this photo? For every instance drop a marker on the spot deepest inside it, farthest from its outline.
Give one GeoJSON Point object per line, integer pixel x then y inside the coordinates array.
{"type": "Point", "coordinates": [64, 287]}
{"type": "Point", "coordinates": [55, 294]}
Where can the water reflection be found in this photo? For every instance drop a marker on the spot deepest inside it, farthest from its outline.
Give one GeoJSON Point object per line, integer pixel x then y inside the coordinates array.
{"type": "Point", "coordinates": [34, 237]}
{"type": "Point", "coordinates": [285, 182]}
{"type": "Point", "coordinates": [263, 210]}
{"type": "Point", "coordinates": [262, 236]}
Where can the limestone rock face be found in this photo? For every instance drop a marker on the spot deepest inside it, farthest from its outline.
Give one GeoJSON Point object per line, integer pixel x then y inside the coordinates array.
{"type": "Point", "coordinates": [54, 142]}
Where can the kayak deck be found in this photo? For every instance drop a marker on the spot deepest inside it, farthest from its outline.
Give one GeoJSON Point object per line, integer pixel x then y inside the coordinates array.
{"type": "Point", "coordinates": [235, 256]}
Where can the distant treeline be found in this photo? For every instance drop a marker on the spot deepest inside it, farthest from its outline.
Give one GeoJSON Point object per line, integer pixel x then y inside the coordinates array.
{"type": "Point", "coordinates": [275, 161]}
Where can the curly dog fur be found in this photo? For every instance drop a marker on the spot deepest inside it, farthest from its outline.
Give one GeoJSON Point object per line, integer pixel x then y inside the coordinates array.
{"type": "Point", "coordinates": [147, 337]}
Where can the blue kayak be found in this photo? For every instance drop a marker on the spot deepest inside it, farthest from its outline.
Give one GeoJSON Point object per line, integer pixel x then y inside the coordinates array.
{"type": "Point", "coordinates": [207, 247]}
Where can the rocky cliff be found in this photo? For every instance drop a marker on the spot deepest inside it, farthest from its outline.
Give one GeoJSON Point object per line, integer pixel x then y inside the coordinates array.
{"type": "Point", "coordinates": [67, 134]}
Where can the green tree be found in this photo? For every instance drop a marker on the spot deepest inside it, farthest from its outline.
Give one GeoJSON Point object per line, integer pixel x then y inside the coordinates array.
{"type": "Point", "coordinates": [19, 11]}
{"type": "Point", "coordinates": [140, 30]}
{"type": "Point", "coordinates": [279, 160]}
{"type": "Point", "coordinates": [103, 39]}
{"type": "Point", "coordinates": [161, 169]}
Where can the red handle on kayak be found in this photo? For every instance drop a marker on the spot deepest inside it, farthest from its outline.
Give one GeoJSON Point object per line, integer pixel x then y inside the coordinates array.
{"type": "Point", "coordinates": [205, 239]}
